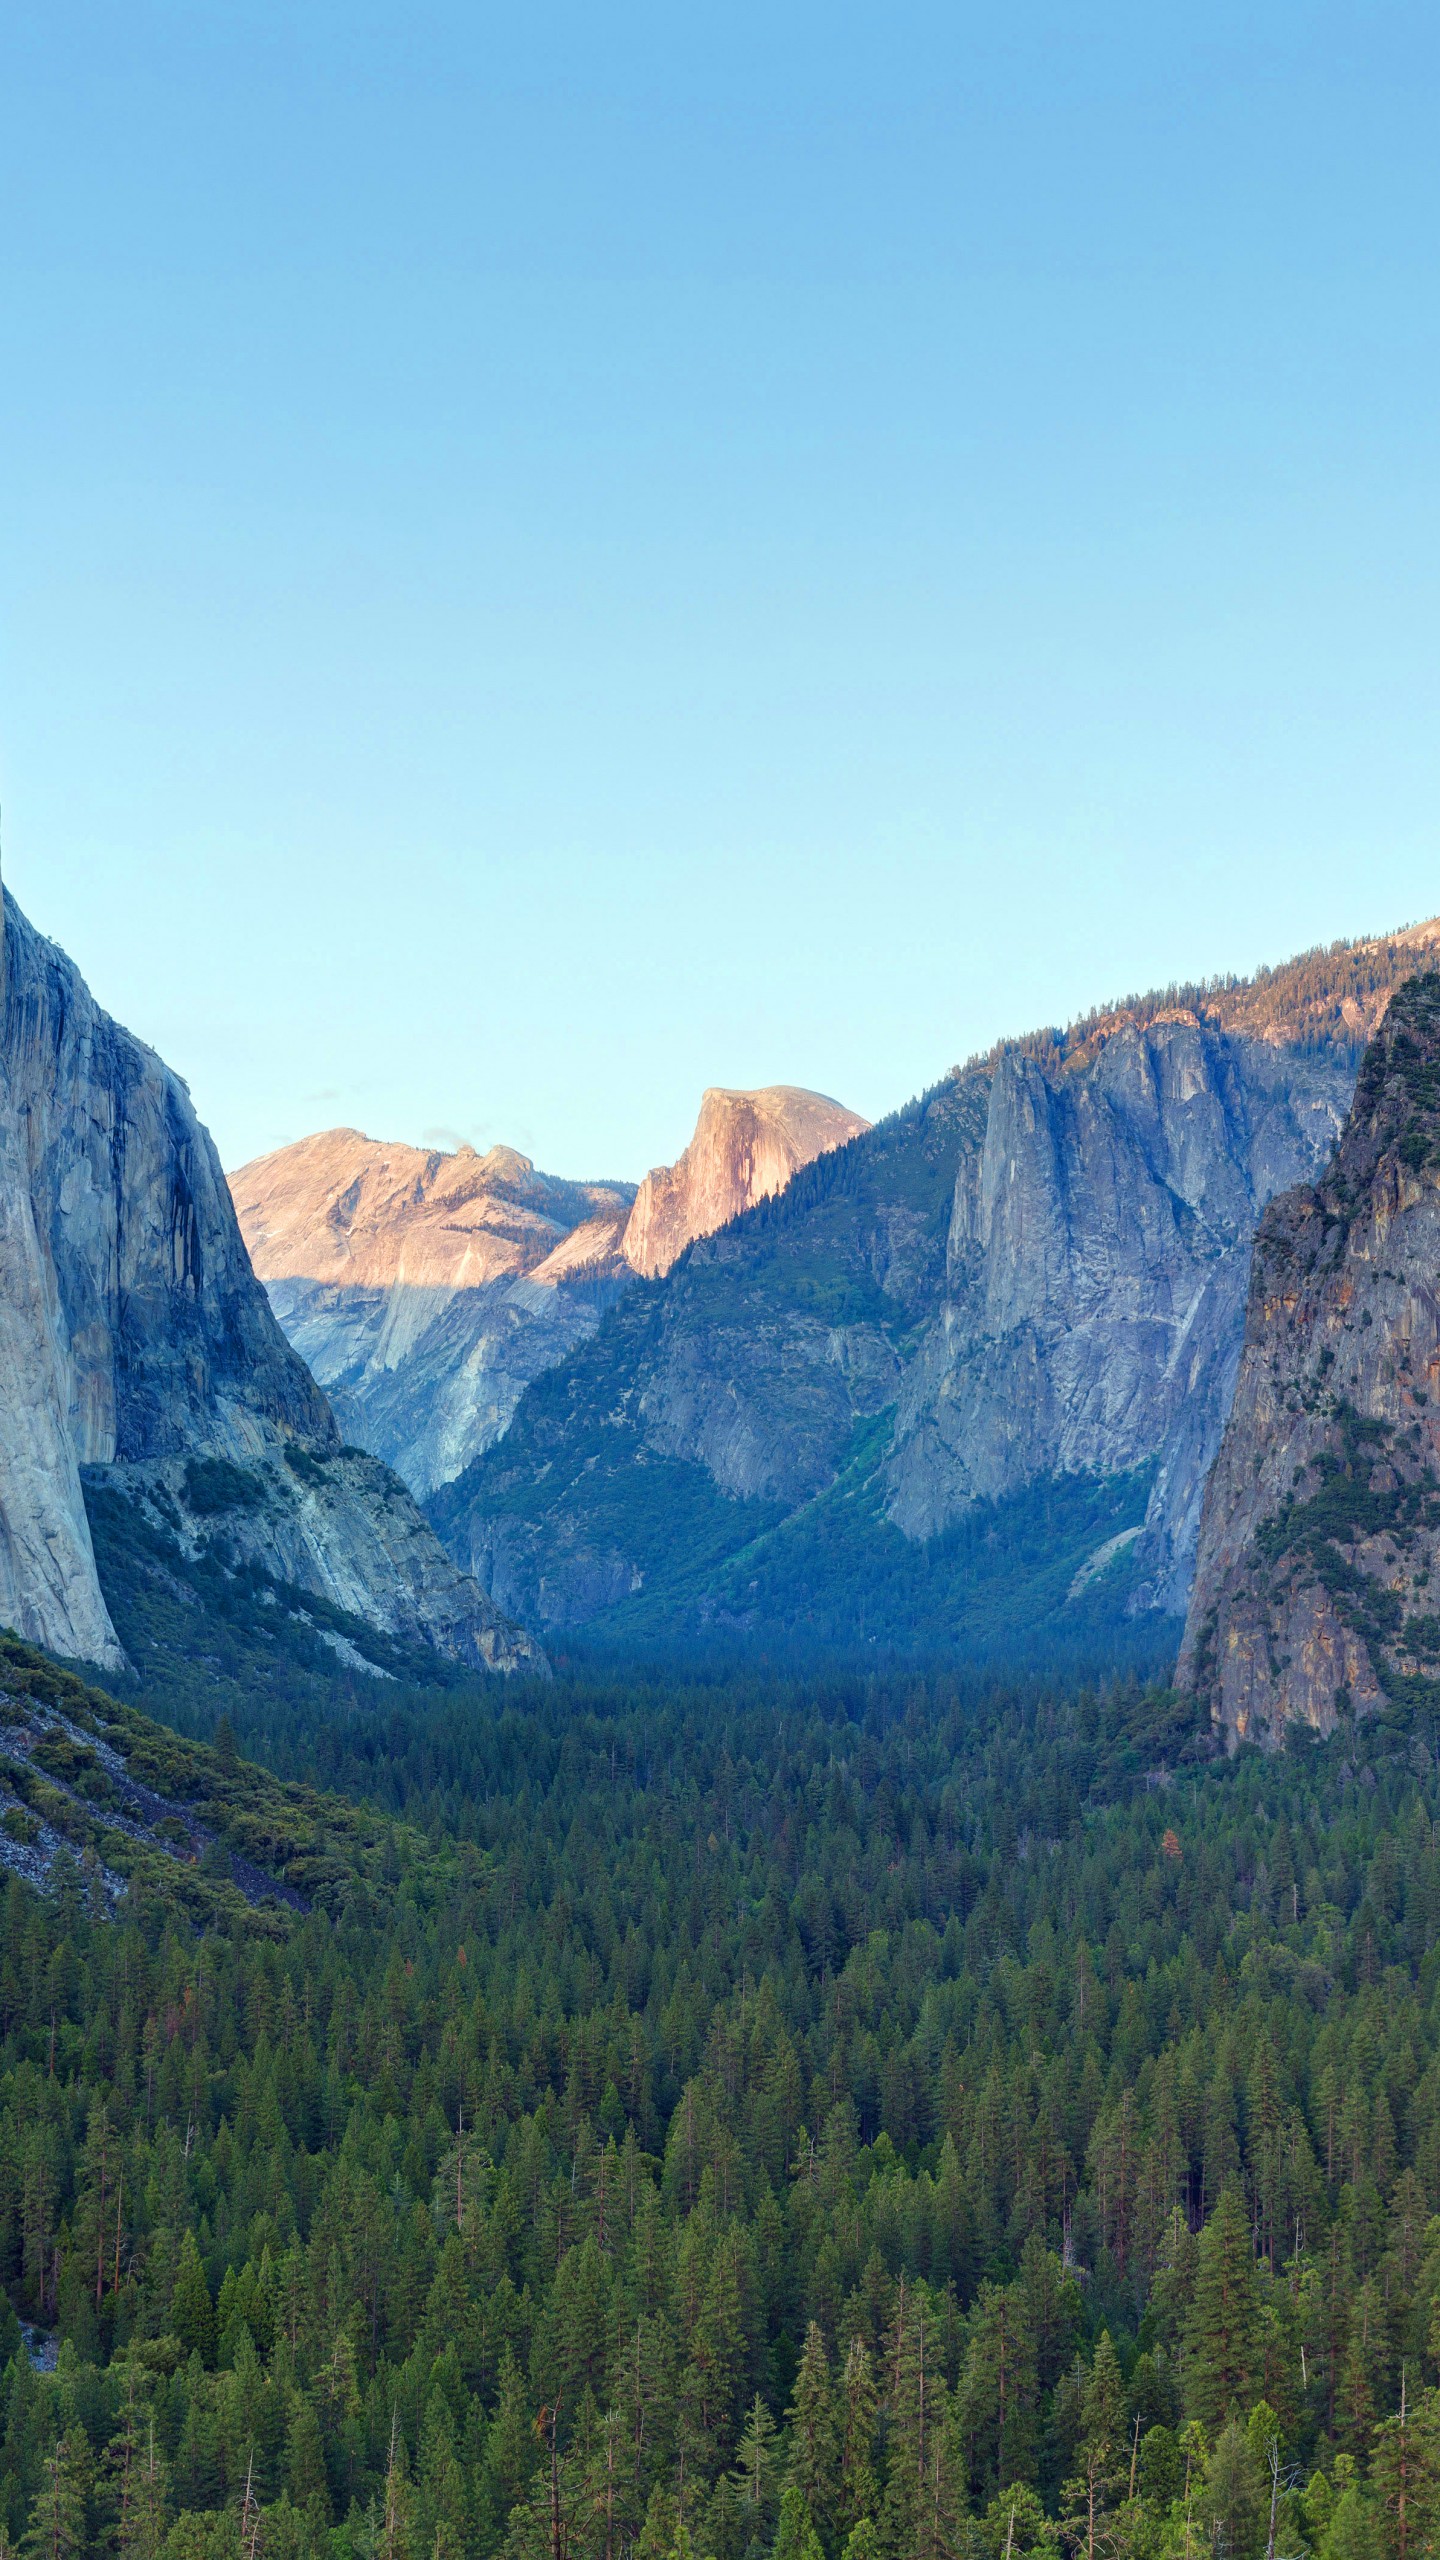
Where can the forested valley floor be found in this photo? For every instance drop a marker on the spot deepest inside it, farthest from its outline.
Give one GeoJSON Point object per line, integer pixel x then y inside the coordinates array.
{"type": "Point", "coordinates": [735, 2119]}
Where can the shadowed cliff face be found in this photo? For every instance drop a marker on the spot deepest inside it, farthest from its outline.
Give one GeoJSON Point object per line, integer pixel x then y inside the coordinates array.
{"type": "Point", "coordinates": [1033, 1277]}
{"type": "Point", "coordinates": [427, 1291]}
{"type": "Point", "coordinates": [1095, 1272]}
{"type": "Point", "coordinates": [1317, 1586]}
{"type": "Point", "coordinates": [138, 1344]}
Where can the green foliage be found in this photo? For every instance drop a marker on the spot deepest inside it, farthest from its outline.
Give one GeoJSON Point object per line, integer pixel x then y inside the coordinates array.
{"type": "Point", "coordinates": [214, 1484]}
{"type": "Point", "coordinates": [830, 2116]}
{"type": "Point", "coordinates": [206, 1635]}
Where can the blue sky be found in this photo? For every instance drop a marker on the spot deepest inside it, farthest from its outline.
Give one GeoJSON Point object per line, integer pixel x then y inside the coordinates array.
{"type": "Point", "coordinates": [557, 555]}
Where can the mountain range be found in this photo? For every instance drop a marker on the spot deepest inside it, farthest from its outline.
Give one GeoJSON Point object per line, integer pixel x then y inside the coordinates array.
{"type": "Point", "coordinates": [957, 1382]}
{"type": "Point", "coordinates": [428, 1290]}
{"type": "Point", "coordinates": [949, 1385]}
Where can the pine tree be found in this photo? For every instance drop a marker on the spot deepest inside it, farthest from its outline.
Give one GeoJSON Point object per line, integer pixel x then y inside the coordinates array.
{"type": "Point", "coordinates": [796, 2537]}
{"type": "Point", "coordinates": [1016, 2527]}
{"type": "Point", "coordinates": [305, 2472]}
{"type": "Point", "coordinates": [1405, 2473]}
{"type": "Point", "coordinates": [393, 2540]}
{"type": "Point", "coordinates": [58, 2525]}
{"type": "Point", "coordinates": [1094, 2491]}
{"type": "Point", "coordinates": [1222, 2344]}
{"type": "Point", "coordinates": [859, 2490]}
{"type": "Point", "coordinates": [710, 2388]}
{"type": "Point", "coordinates": [810, 2421]}
{"type": "Point", "coordinates": [757, 2474]}
{"type": "Point", "coordinates": [1364, 2379]}
{"type": "Point", "coordinates": [922, 2498]}
{"type": "Point", "coordinates": [1354, 2529]}
{"type": "Point", "coordinates": [137, 2473]}
{"type": "Point", "coordinates": [192, 2313]}
{"type": "Point", "coordinates": [997, 2394]}
{"type": "Point", "coordinates": [1235, 2493]}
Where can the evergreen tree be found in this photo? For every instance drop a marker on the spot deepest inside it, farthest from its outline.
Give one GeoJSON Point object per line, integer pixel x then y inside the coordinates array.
{"type": "Point", "coordinates": [811, 2434]}
{"type": "Point", "coordinates": [306, 2477]}
{"type": "Point", "coordinates": [1405, 2474]}
{"type": "Point", "coordinates": [1016, 2527]}
{"type": "Point", "coordinates": [757, 2475]}
{"type": "Point", "coordinates": [1354, 2530]}
{"type": "Point", "coordinates": [859, 2490]}
{"type": "Point", "coordinates": [1095, 2490]}
{"type": "Point", "coordinates": [1236, 2505]}
{"type": "Point", "coordinates": [59, 2526]}
{"type": "Point", "coordinates": [796, 2537]}
{"type": "Point", "coordinates": [923, 2499]}
{"type": "Point", "coordinates": [192, 2313]}
{"type": "Point", "coordinates": [1222, 2344]}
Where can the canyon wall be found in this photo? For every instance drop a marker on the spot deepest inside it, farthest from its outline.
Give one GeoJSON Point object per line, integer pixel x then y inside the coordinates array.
{"type": "Point", "coordinates": [141, 1353]}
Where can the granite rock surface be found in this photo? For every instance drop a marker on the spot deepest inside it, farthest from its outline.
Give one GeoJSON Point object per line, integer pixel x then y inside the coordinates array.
{"type": "Point", "coordinates": [1317, 1585]}
{"type": "Point", "coordinates": [138, 1345]}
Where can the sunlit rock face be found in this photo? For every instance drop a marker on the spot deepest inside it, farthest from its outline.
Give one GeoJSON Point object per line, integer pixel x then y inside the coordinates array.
{"type": "Point", "coordinates": [746, 1147]}
{"type": "Point", "coordinates": [136, 1344]}
{"type": "Point", "coordinates": [429, 1289]}
{"type": "Point", "coordinates": [1317, 1584]}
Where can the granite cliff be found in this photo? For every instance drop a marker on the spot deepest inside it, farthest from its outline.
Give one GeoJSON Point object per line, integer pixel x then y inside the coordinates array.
{"type": "Point", "coordinates": [1317, 1584]}
{"type": "Point", "coordinates": [967, 1373]}
{"type": "Point", "coordinates": [746, 1147]}
{"type": "Point", "coordinates": [142, 1361]}
{"type": "Point", "coordinates": [427, 1290]}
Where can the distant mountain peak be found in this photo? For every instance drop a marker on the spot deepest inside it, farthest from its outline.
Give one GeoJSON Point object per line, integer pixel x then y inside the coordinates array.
{"type": "Point", "coordinates": [746, 1147]}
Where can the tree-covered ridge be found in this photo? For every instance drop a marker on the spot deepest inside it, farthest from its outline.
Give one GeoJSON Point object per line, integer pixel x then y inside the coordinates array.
{"type": "Point", "coordinates": [166, 1826]}
{"type": "Point", "coordinates": [762, 2121]}
{"type": "Point", "coordinates": [1331, 997]}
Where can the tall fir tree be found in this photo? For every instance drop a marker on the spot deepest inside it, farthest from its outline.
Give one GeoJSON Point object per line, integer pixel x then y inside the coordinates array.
{"type": "Point", "coordinates": [1222, 2365]}
{"type": "Point", "coordinates": [811, 2432]}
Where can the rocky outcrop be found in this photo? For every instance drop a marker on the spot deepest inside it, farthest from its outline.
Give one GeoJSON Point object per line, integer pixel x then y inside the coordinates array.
{"type": "Point", "coordinates": [1033, 1277]}
{"type": "Point", "coordinates": [1317, 1584]}
{"type": "Point", "coordinates": [138, 1344]}
{"type": "Point", "coordinates": [746, 1147]}
{"type": "Point", "coordinates": [428, 1290]}
{"type": "Point", "coordinates": [1095, 1271]}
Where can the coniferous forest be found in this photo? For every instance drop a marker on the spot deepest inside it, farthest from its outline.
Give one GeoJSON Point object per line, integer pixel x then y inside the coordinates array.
{"type": "Point", "coordinates": [733, 2119]}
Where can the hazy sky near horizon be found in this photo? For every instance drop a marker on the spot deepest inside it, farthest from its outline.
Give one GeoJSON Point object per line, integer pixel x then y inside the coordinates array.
{"type": "Point", "coordinates": [558, 555]}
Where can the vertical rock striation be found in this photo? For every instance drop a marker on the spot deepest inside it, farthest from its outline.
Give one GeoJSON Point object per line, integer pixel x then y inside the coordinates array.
{"type": "Point", "coordinates": [141, 1353]}
{"type": "Point", "coordinates": [1317, 1584]}
{"type": "Point", "coordinates": [1095, 1271]}
{"type": "Point", "coordinates": [746, 1147]}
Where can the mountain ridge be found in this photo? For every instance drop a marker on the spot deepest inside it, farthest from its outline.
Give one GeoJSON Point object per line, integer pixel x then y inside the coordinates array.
{"type": "Point", "coordinates": [1032, 1275]}
{"type": "Point", "coordinates": [428, 1289]}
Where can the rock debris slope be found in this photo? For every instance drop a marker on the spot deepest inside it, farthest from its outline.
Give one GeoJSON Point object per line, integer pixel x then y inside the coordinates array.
{"type": "Point", "coordinates": [1317, 1586]}
{"type": "Point", "coordinates": [142, 1358]}
{"type": "Point", "coordinates": [428, 1290]}
{"type": "Point", "coordinates": [1018, 1302]}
